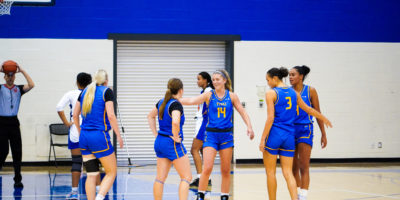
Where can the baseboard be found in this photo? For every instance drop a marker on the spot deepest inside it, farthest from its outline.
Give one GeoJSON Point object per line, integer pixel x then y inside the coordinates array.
{"type": "Point", "coordinates": [327, 160]}
{"type": "Point", "coordinates": [43, 163]}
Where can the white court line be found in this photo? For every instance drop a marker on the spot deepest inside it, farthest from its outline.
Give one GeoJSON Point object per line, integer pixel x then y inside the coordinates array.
{"type": "Point", "coordinates": [364, 193]}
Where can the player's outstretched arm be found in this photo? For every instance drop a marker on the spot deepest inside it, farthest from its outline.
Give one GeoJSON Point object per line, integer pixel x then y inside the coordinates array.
{"type": "Point", "coordinates": [196, 100]}
{"type": "Point", "coordinates": [312, 111]}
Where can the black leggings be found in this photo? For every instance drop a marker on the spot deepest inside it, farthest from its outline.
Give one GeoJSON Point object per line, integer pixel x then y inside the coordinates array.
{"type": "Point", "coordinates": [12, 134]}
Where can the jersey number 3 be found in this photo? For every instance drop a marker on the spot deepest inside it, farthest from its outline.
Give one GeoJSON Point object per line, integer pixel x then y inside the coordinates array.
{"type": "Point", "coordinates": [221, 110]}
{"type": "Point", "coordinates": [289, 102]}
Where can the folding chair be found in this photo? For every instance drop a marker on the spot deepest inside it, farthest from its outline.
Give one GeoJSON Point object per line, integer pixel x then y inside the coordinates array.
{"type": "Point", "coordinates": [57, 130]}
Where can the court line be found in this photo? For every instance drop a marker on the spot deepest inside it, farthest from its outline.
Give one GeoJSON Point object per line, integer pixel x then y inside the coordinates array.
{"type": "Point", "coordinates": [364, 193]}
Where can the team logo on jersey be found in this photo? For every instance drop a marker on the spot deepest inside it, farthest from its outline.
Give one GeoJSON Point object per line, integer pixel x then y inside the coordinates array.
{"type": "Point", "coordinates": [15, 90]}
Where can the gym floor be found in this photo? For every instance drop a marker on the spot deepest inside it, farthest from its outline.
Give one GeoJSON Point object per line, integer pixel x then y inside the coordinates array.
{"type": "Point", "coordinates": [354, 181]}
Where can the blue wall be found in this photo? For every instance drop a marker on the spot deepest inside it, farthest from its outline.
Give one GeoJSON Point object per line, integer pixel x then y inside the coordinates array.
{"type": "Point", "coordinates": [273, 20]}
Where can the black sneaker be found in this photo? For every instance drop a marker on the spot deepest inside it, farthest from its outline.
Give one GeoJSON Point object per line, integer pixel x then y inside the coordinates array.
{"type": "Point", "coordinates": [224, 197]}
{"type": "Point", "coordinates": [18, 185]}
{"type": "Point", "coordinates": [195, 183]}
{"type": "Point", "coordinates": [200, 196]}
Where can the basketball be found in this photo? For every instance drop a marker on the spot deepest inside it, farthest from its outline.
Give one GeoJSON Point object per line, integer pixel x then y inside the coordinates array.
{"type": "Point", "coordinates": [9, 66]}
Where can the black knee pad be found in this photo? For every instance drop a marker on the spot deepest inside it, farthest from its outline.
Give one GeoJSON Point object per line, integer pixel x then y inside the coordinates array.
{"type": "Point", "coordinates": [92, 166]}
{"type": "Point", "coordinates": [76, 163]}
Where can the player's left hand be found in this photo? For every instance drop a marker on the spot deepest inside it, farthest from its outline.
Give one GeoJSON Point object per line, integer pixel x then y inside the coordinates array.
{"type": "Point", "coordinates": [250, 133]}
{"type": "Point", "coordinates": [120, 141]}
{"type": "Point", "coordinates": [324, 141]}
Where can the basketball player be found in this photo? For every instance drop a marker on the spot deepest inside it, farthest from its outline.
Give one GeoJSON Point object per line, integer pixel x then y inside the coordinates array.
{"type": "Point", "coordinates": [70, 98]}
{"type": "Point", "coordinates": [278, 135]}
{"type": "Point", "coordinates": [168, 144]}
{"type": "Point", "coordinates": [204, 81]}
{"type": "Point", "coordinates": [219, 136]}
{"type": "Point", "coordinates": [98, 117]}
{"type": "Point", "coordinates": [304, 129]}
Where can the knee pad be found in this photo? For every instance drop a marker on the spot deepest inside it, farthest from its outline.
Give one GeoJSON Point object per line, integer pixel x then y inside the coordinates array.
{"type": "Point", "coordinates": [92, 166]}
{"type": "Point", "coordinates": [76, 163]}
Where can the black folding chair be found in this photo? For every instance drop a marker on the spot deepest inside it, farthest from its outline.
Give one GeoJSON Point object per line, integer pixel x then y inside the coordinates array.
{"type": "Point", "coordinates": [57, 130]}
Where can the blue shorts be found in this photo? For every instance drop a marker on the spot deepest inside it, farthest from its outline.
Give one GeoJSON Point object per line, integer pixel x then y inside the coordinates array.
{"type": "Point", "coordinates": [72, 145]}
{"type": "Point", "coordinates": [280, 142]}
{"type": "Point", "coordinates": [95, 142]}
{"type": "Point", "coordinates": [304, 133]}
{"type": "Point", "coordinates": [218, 140]}
{"type": "Point", "coordinates": [166, 147]}
{"type": "Point", "coordinates": [202, 131]}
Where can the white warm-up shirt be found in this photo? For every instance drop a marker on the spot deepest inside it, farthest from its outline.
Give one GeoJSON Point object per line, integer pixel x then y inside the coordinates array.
{"type": "Point", "coordinates": [70, 99]}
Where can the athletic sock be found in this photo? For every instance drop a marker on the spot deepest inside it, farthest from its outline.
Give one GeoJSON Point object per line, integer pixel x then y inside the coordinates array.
{"type": "Point", "coordinates": [97, 188]}
{"type": "Point", "coordinates": [74, 189]}
{"type": "Point", "coordinates": [198, 176]}
{"type": "Point", "coordinates": [303, 192]}
{"type": "Point", "coordinates": [99, 197]}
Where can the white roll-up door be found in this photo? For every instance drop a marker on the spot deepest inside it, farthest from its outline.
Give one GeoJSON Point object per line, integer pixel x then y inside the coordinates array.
{"type": "Point", "coordinates": [143, 70]}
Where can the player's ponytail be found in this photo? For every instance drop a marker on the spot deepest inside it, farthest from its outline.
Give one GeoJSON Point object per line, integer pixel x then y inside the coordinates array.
{"type": "Point", "coordinates": [303, 70]}
{"type": "Point", "coordinates": [99, 78]}
{"type": "Point", "coordinates": [174, 85]}
{"type": "Point", "coordinates": [278, 72]}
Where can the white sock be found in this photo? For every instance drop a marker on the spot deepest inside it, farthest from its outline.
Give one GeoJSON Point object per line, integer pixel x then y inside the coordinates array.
{"type": "Point", "coordinates": [201, 191]}
{"type": "Point", "coordinates": [222, 194]}
{"type": "Point", "coordinates": [99, 197]}
{"type": "Point", "coordinates": [97, 188]}
{"type": "Point", "coordinates": [198, 176]}
{"type": "Point", "coordinates": [74, 189]}
{"type": "Point", "coordinates": [298, 190]}
{"type": "Point", "coordinates": [303, 192]}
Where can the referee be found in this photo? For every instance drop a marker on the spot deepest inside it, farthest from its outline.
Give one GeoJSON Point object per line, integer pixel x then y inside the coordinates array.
{"type": "Point", "coordinates": [10, 97]}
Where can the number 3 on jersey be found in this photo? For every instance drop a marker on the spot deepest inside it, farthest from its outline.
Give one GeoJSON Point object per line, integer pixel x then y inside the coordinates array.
{"type": "Point", "coordinates": [221, 110]}
{"type": "Point", "coordinates": [289, 102]}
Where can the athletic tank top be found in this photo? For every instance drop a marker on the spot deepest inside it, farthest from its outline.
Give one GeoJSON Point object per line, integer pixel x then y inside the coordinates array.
{"type": "Point", "coordinates": [285, 108]}
{"type": "Point", "coordinates": [97, 119]}
{"type": "Point", "coordinates": [165, 124]}
{"type": "Point", "coordinates": [302, 117]}
{"type": "Point", "coordinates": [220, 111]}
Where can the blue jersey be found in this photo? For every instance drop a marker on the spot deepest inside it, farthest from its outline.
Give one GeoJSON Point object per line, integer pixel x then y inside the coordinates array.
{"type": "Point", "coordinates": [97, 119]}
{"type": "Point", "coordinates": [165, 124]}
{"type": "Point", "coordinates": [302, 116]}
{"type": "Point", "coordinates": [285, 108]}
{"type": "Point", "coordinates": [220, 111]}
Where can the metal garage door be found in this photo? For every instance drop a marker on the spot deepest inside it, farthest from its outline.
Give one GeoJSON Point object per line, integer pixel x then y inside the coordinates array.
{"type": "Point", "coordinates": [143, 70]}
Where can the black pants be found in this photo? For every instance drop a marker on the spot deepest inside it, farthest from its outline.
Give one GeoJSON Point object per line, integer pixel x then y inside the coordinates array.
{"type": "Point", "coordinates": [11, 134]}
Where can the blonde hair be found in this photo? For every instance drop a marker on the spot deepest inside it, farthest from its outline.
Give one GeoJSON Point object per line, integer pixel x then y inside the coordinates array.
{"type": "Point", "coordinates": [99, 78]}
{"type": "Point", "coordinates": [225, 75]}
